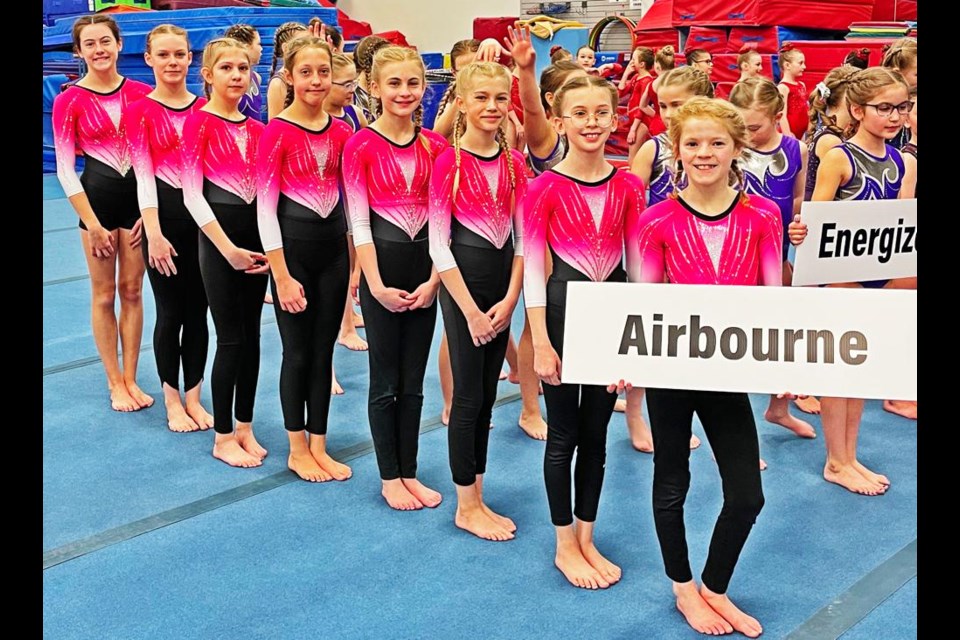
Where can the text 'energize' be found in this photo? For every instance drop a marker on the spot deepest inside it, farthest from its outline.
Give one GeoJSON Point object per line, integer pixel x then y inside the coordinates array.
{"type": "Point", "coordinates": [880, 242]}
{"type": "Point", "coordinates": [812, 345]}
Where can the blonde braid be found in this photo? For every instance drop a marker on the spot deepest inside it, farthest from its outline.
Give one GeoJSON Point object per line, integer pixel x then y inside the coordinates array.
{"type": "Point", "coordinates": [677, 177]}
{"type": "Point", "coordinates": [448, 95]}
{"type": "Point", "coordinates": [505, 150]}
{"type": "Point", "coordinates": [457, 124]}
{"type": "Point", "coordinates": [418, 124]}
{"type": "Point", "coordinates": [737, 174]}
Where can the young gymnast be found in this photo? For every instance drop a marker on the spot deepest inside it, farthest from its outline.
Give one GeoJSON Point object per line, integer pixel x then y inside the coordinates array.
{"type": "Point", "coordinates": [87, 119]}
{"type": "Point", "coordinates": [387, 172]}
{"type": "Point", "coordinates": [220, 192]}
{"type": "Point", "coordinates": [795, 118]}
{"type": "Point", "coordinates": [642, 61]}
{"type": "Point", "coordinates": [864, 167]}
{"type": "Point", "coordinates": [252, 103]}
{"type": "Point", "coordinates": [708, 232]}
{"type": "Point", "coordinates": [476, 192]}
{"type": "Point", "coordinates": [584, 212]}
{"type": "Point", "coordinates": [153, 126]}
{"type": "Point", "coordinates": [303, 230]}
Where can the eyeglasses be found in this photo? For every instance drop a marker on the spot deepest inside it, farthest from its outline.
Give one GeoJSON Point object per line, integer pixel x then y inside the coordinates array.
{"type": "Point", "coordinates": [581, 119]}
{"type": "Point", "coordinates": [348, 86]}
{"type": "Point", "coordinates": [884, 109]}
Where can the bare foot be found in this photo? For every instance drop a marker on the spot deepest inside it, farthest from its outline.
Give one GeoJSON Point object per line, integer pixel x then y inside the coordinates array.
{"type": "Point", "coordinates": [694, 442]}
{"type": "Point", "coordinates": [121, 400]}
{"type": "Point", "coordinates": [503, 375]}
{"type": "Point", "coordinates": [199, 415]}
{"type": "Point", "coordinates": [357, 320]}
{"type": "Point", "coordinates": [307, 468]}
{"type": "Point", "coordinates": [503, 521]}
{"type": "Point", "coordinates": [353, 341]}
{"type": "Point", "coordinates": [534, 427]}
{"type": "Point", "coordinates": [851, 479]}
{"type": "Point", "coordinates": [338, 470]}
{"type": "Point", "coordinates": [610, 572]}
{"type": "Point", "coordinates": [763, 464]}
{"type": "Point", "coordinates": [808, 405]}
{"type": "Point", "coordinates": [905, 408]}
{"type": "Point", "coordinates": [244, 434]}
{"type": "Point", "coordinates": [399, 497]}
{"type": "Point", "coordinates": [798, 426]}
{"type": "Point", "coordinates": [445, 417]}
{"type": "Point", "coordinates": [477, 522]}
{"type": "Point", "coordinates": [620, 406]}
{"type": "Point", "coordinates": [740, 621]}
{"type": "Point", "coordinates": [513, 377]}
{"type": "Point", "coordinates": [876, 478]}
{"type": "Point", "coordinates": [427, 496]}
{"type": "Point", "coordinates": [698, 613]}
{"type": "Point", "coordinates": [640, 436]}
{"type": "Point", "coordinates": [576, 569]}
{"type": "Point", "coordinates": [143, 400]}
{"type": "Point", "coordinates": [335, 388]}
{"type": "Point", "coordinates": [227, 449]}
{"type": "Point", "coordinates": [267, 298]}
{"type": "Point", "coordinates": [178, 420]}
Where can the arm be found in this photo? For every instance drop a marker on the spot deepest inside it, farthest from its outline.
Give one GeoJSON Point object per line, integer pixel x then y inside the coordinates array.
{"type": "Point", "coordinates": [541, 137]}
{"type": "Point", "coordinates": [644, 104]}
{"type": "Point", "coordinates": [784, 121]}
{"type": "Point", "coordinates": [800, 182]}
{"type": "Point", "coordinates": [270, 158]}
{"type": "Point", "coordinates": [502, 312]}
{"type": "Point", "coordinates": [908, 189]}
{"type": "Point", "coordinates": [65, 146]}
{"type": "Point", "coordinates": [276, 95]}
{"type": "Point", "coordinates": [642, 165]}
{"type": "Point", "coordinates": [651, 253]}
{"type": "Point", "coordinates": [631, 230]}
{"type": "Point", "coordinates": [834, 170]}
{"type": "Point", "coordinates": [160, 252]}
{"type": "Point", "coordinates": [771, 242]}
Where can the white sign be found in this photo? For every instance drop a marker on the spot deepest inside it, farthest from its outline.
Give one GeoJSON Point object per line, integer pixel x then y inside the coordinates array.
{"type": "Point", "coordinates": [852, 343]}
{"type": "Point", "coordinates": [853, 241]}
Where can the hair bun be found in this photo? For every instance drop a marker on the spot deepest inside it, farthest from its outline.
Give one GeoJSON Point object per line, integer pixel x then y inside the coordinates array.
{"type": "Point", "coordinates": [787, 46]}
{"type": "Point", "coordinates": [555, 48]}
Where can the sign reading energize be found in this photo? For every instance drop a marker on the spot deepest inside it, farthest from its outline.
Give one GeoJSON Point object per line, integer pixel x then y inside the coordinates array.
{"type": "Point", "coordinates": [857, 240]}
{"type": "Point", "coordinates": [854, 343]}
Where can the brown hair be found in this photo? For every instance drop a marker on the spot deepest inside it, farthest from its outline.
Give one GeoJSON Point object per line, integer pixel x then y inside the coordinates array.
{"type": "Point", "coordinates": [827, 95]}
{"type": "Point", "coordinates": [584, 82]}
{"type": "Point", "coordinates": [166, 30]}
{"type": "Point", "coordinates": [866, 84]}
{"type": "Point", "coordinates": [241, 32]}
{"type": "Point", "coordinates": [901, 54]}
{"type": "Point", "coordinates": [720, 111]}
{"type": "Point", "coordinates": [666, 58]}
{"type": "Point", "coordinates": [366, 48]}
{"type": "Point", "coordinates": [559, 54]}
{"type": "Point", "coordinates": [695, 52]}
{"type": "Point", "coordinates": [859, 58]}
{"type": "Point", "coordinates": [284, 33]}
{"type": "Point", "coordinates": [644, 55]}
{"type": "Point", "coordinates": [789, 53]}
{"type": "Point", "coordinates": [86, 21]}
{"type": "Point", "coordinates": [459, 48]}
{"type": "Point", "coordinates": [747, 52]}
{"type": "Point", "coordinates": [553, 77]}
{"type": "Point", "coordinates": [757, 92]}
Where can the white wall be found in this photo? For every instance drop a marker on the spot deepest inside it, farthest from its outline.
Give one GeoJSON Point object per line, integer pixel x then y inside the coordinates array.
{"type": "Point", "coordinates": [615, 37]}
{"type": "Point", "coordinates": [430, 25]}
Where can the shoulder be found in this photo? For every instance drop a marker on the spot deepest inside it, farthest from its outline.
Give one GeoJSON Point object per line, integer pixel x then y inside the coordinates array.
{"type": "Point", "coordinates": [254, 125]}
{"type": "Point", "coordinates": [437, 142]}
{"type": "Point", "coordinates": [139, 108]}
{"type": "Point", "coordinates": [657, 214]}
{"type": "Point", "coordinates": [137, 88]}
{"type": "Point", "coordinates": [69, 95]}
{"type": "Point", "coordinates": [761, 207]}
{"type": "Point", "coordinates": [340, 128]}
{"type": "Point", "coordinates": [629, 180]}
{"type": "Point", "coordinates": [518, 159]}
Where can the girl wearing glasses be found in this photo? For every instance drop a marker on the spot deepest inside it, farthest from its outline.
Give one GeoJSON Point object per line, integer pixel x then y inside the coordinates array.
{"type": "Point", "coordinates": [700, 59]}
{"type": "Point", "coordinates": [584, 213]}
{"type": "Point", "coordinates": [864, 167]}
{"type": "Point", "coordinates": [476, 192]}
{"type": "Point", "coordinates": [796, 117]}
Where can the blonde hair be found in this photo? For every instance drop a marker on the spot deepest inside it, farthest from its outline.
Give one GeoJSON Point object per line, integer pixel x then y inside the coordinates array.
{"type": "Point", "coordinates": [390, 55]}
{"type": "Point", "coordinates": [467, 78]}
{"type": "Point", "coordinates": [341, 62]}
{"type": "Point", "coordinates": [829, 94]}
{"type": "Point", "coordinates": [719, 111]}
{"type": "Point", "coordinates": [290, 51]}
{"type": "Point", "coordinates": [789, 53]}
{"type": "Point", "coordinates": [212, 52]}
{"type": "Point", "coordinates": [584, 82]}
{"type": "Point", "coordinates": [690, 78]}
{"type": "Point", "coordinates": [166, 30]}
{"type": "Point", "coordinates": [284, 33]}
{"type": "Point", "coordinates": [746, 54]}
{"type": "Point", "coordinates": [901, 55]}
{"type": "Point", "coordinates": [757, 92]}
{"type": "Point", "coordinates": [666, 58]}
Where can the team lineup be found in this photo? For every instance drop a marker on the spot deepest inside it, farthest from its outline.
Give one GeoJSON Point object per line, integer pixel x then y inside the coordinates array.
{"type": "Point", "coordinates": [343, 198]}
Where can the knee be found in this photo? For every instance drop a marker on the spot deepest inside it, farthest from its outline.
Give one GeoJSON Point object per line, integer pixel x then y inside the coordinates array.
{"type": "Point", "coordinates": [131, 292]}
{"type": "Point", "coordinates": [746, 507]}
{"type": "Point", "coordinates": [559, 450]}
{"type": "Point", "coordinates": [105, 296]}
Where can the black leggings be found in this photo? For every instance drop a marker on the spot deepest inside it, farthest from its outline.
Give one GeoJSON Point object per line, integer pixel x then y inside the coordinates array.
{"type": "Point", "coordinates": [727, 419]}
{"type": "Point", "coordinates": [180, 298]}
{"type": "Point", "coordinates": [399, 349]}
{"type": "Point", "coordinates": [236, 300]}
{"type": "Point", "coordinates": [112, 197]}
{"type": "Point", "coordinates": [476, 370]}
{"type": "Point", "coordinates": [315, 250]}
{"type": "Point", "coordinates": [579, 415]}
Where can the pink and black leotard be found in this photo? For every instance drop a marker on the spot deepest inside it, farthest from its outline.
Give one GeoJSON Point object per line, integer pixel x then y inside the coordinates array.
{"type": "Point", "coordinates": [387, 187]}
{"type": "Point", "coordinates": [477, 230]}
{"type": "Point", "coordinates": [740, 246]}
{"type": "Point", "coordinates": [299, 209]}
{"type": "Point", "coordinates": [91, 122]}
{"type": "Point", "coordinates": [180, 335]}
{"type": "Point", "coordinates": [588, 228]}
{"type": "Point", "coordinates": [219, 184]}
